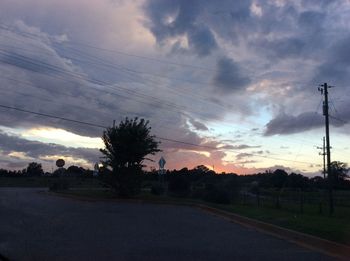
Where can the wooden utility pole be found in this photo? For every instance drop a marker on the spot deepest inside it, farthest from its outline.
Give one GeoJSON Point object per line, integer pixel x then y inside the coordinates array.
{"type": "Point", "coordinates": [323, 153]}
{"type": "Point", "coordinates": [324, 91]}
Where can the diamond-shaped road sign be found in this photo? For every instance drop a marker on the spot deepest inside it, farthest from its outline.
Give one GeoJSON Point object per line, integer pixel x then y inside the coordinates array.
{"type": "Point", "coordinates": [161, 163]}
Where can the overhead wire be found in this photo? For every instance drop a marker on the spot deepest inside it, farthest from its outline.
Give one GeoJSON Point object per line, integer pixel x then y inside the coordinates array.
{"type": "Point", "coordinates": [158, 137]}
{"type": "Point", "coordinates": [124, 96]}
{"type": "Point", "coordinates": [104, 85]}
{"type": "Point", "coordinates": [33, 35]}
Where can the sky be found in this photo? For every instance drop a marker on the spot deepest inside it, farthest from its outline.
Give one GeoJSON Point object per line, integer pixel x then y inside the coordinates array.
{"type": "Point", "coordinates": [236, 78]}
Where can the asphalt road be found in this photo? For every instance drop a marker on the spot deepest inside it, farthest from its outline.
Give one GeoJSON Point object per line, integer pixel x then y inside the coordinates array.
{"type": "Point", "coordinates": [35, 226]}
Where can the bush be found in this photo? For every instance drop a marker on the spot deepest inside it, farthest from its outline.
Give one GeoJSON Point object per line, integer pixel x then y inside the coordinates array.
{"type": "Point", "coordinates": [126, 182]}
{"type": "Point", "coordinates": [179, 186]}
{"type": "Point", "coordinates": [216, 194]}
{"type": "Point", "coordinates": [157, 189]}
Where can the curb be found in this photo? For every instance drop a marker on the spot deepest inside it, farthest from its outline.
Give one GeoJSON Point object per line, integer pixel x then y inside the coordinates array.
{"type": "Point", "coordinates": [328, 247]}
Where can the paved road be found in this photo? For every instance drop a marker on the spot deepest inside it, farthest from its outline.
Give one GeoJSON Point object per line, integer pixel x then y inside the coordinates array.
{"type": "Point", "coordinates": [35, 226]}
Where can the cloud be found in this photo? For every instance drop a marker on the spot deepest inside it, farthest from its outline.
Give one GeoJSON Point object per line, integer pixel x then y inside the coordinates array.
{"type": "Point", "coordinates": [311, 20]}
{"type": "Point", "coordinates": [336, 66]}
{"type": "Point", "coordinates": [172, 19]}
{"type": "Point", "coordinates": [244, 155]}
{"type": "Point", "coordinates": [288, 124]}
{"type": "Point", "coordinates": [202, 40]}
{"type": "Point", "coordinates": [198, 125]}
{"type": "Point", "coordinates": [261, 57]}
{"type": "Point", "coordinates": [229, 77]}
{"type": "Point", "coordinates": [238, 147]}
{"type": "Point", "coordinates": [11, 144]}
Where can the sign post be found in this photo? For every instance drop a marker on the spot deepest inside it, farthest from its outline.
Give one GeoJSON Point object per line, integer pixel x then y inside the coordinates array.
{"type": "Point", "coordinates": [161, 170]}
{"type": "Point", "coordinates": [96, 170]}
{"type": "Point", "coordinates": [60, 163]}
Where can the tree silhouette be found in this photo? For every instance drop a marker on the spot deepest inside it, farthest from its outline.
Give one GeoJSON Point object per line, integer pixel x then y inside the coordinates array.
{"type": "Point", "coordinates": [339, 171]}
{"type": "Point", "coordinates": [34, 169]}
{"type": "Point", "coordinates": [126, 147]}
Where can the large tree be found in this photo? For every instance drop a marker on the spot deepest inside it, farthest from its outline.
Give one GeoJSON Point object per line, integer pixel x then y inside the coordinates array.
{"type": "Point", "coordinates": [126, 147]}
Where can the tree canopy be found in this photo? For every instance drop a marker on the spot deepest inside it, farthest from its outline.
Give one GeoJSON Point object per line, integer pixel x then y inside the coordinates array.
{"type": "Point", "coordinates": [34, 169]}
{"type": "Point", "coordinates": [128, 144]}
{"type": "Point", "coordinates": [339, 170]}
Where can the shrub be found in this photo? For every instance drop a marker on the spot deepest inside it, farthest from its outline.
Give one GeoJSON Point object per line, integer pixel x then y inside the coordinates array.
{"type": "Point", "coordinates": [126, 182]}
{"type": "Point", "coordinates": [216, 194]}
{"type": "Point", "coordinates": [157, 189]}
{"type": "Point", "coordinates": [179, 186]}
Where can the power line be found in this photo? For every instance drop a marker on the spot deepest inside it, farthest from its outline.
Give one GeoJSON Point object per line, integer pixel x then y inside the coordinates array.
{"type": "Point", "coordinates": [139, 95]}
{"type": "Point", "coordinates": [103, 83]}
{"type": "Point", "coordinates": [52, 116]}
{"type": "Point", "coordinates": [107, 65]}
{"type": "Point", "coordinates": [158, 137]}
{"type": "Point", "coordinates": [5, 27]}
{"type": "Point", "coordinates": [95, 125]}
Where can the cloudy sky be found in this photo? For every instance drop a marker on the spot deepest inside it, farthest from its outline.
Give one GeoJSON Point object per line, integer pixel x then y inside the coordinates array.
{"type": "Point", "coordinates": [238, 78]}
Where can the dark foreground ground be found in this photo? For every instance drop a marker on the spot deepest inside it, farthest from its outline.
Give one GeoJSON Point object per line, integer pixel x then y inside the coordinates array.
{"type": "Point", "coordinates": [35, 226]}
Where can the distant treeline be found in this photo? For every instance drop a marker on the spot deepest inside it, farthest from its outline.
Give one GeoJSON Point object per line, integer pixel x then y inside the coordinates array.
{"type": "Point", "coordinates": [198, 176]}
{"type": "Point", "coordinates": [277, 179]}
{"type": "Point", "coordinates": [35, 170]}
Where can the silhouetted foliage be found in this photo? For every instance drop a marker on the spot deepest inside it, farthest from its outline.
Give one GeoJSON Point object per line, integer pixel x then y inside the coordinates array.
{"type": "Point", "coordinates": [317, 182]}
{"type": "Point", "coordinates": [126, 147]}
{"type": "Point", "coordinates": [216, 194]}
{"type": "Point", "coordinates": [179, 185]}
{"type": "Point", "coordinates": [339, 170]}
{"type": "Point", "coordinates": [157, 189]}
{"type": "Point", "coordinates": [278, 178]}
{"type": "Point", "coordinates": [60, 172]}
{"type": "Point", "coordinates": [340, 173]}
{"type": "Point", "coordinates": [34, 169]}
{"type": "Point", "coordinates": [75, 171]}
{"type": "Point", "coordinates": [297, 181]}
{"type": "Point", "coordinates": [128, 144]}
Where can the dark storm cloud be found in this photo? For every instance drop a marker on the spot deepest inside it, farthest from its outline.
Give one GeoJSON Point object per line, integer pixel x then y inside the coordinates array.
{"type": "Point", "coordinates": [311, 20]}
{"type": "Point", "coordinates": [303, 43]}
{"type": "Point", "coordinates": [336, 67]}
{"type": "Point", "coordinates": [229, 76]}
{"type": "Point", "coordinates": [36, 149]}
{"type": "Point", "coordinates": [288, 124]}
{"type": "Point", "coordinates": [202, 40]}
{"type": "Point", "coordinates": [173, 18]}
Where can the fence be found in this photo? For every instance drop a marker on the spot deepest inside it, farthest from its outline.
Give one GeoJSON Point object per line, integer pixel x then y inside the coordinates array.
{"type": "Point", "coordinates": [296, 200]}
